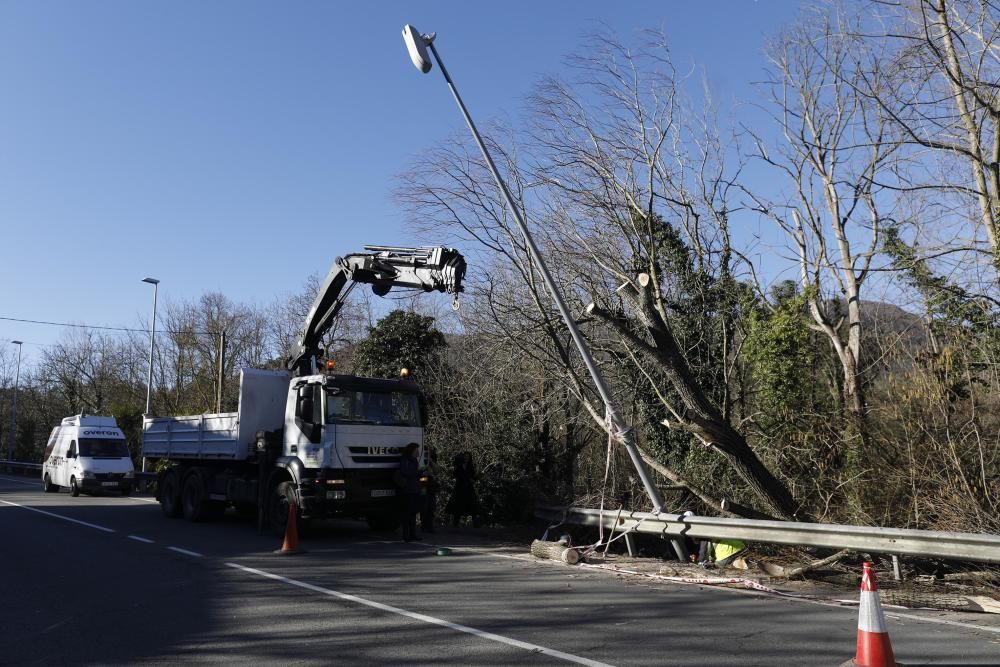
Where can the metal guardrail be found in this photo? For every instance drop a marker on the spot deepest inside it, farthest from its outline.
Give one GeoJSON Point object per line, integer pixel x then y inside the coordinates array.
{"type": "Point", "coordinates": [959, 546]}
{"type": "Point", "coordinates": [26, 468]}
{"type": "Point", "coordinates": [20, 466]}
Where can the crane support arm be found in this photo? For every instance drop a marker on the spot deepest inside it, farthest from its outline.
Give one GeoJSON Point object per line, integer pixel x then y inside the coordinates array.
{"type": "Point", "coordinates": [431, 269]}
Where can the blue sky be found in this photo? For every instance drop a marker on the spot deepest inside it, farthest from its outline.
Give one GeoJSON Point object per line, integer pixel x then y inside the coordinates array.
{"type": "Point", "coordinates": [240, 146]}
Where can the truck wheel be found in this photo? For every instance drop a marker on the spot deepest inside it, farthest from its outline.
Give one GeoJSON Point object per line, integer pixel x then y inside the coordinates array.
{"type": "Point", "coordinates": [383, 522]}
{"type": "Point", "coordinates": [194, 497]}
{"type": "Point", "coordinates": [74, 488]}
{"type": "Point", "coordinates": [48, 486]}
{"type": "Point", "coordinates": [281, 496]}
{"type": "Point", "coordinates": [170, 495]}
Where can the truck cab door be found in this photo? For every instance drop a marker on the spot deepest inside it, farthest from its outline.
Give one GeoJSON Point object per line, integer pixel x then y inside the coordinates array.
{"type": "Point", "coordinates": [309, 414]}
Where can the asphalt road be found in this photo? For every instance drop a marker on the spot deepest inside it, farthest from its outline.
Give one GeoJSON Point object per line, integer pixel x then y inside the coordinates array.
{"type": "Point", "coordinates": [108, 580]}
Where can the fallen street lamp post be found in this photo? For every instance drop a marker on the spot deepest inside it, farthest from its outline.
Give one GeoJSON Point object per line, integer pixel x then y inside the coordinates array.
{"type": "Point", "coordinates": [418, 46]}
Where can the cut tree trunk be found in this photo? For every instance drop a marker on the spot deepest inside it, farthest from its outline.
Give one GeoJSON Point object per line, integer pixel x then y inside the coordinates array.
{"type": "Point", "coordinates": [701, 417]}
{"type": "Point", "coordinates": [555, 551]}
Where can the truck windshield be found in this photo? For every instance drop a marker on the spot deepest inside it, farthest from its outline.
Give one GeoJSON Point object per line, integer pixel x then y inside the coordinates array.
{"type": "Point", "coordinates": [103, 448]}
{"type": "Point", "coordinates": [353, 406]}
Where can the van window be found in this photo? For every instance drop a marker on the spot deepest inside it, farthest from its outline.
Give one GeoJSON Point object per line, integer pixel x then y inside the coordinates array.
{"type": "Point", "coordinates": [72, 450]}
{"type": "Point", "coordinates": [48, 449]}
{"type": "Point", "coordinates": [103, 448]}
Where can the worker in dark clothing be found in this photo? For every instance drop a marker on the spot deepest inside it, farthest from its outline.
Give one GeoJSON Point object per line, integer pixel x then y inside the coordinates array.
{"type": "Point", "coordinates": [429, 505]}
{"type": "Point", "coordinates": [407, 480]}
{"type": "Point", "coordinates": [463, 501]}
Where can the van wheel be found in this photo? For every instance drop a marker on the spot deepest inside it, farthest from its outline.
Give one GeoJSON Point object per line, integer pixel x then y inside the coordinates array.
{"type": "Point", "coordinates": [126, 490]}
{"type": "Point", "coordinates": [170, 495]}
{"type": "Point", "coordinates": [74, 488]}
{"type": "Point", "coordinates": [194, 498]}
{"type": "Point", "coordinates": [48, 486]}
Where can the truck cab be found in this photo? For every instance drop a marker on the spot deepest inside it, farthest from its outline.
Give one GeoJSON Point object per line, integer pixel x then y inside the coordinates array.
{"type": "Point", "coordinates": [347, 432]}
{"type": "Point", "coordinates": [87, 453]}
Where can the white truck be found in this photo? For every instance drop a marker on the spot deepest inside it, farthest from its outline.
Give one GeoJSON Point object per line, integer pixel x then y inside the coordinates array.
{"type": "Point", "coordinates": [327, 442]}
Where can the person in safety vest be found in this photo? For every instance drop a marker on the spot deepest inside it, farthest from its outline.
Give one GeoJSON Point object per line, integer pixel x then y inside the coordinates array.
{"type": "Point", "coordinates": [720, 552]}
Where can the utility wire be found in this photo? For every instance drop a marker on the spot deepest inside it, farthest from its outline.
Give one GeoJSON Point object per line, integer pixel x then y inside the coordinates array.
{"type": "Point", "coordinates": [88, 326]}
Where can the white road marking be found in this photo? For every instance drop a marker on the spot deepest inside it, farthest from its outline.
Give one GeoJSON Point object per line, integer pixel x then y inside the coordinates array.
{"type": "Point", "coordinates": [942, 621]}
{"type": "Point", "coordinates": [59, 516]}
{"type": "Point", "coordinates": [186, 552]}
{"type": "Point", "coordinates": [140, 539]}
{"type": "Point", "coordinates": [569, 657]}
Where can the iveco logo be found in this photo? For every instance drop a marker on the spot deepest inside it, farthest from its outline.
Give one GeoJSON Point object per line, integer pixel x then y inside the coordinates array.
{"type": "Point", "coordinates": [383, 451]}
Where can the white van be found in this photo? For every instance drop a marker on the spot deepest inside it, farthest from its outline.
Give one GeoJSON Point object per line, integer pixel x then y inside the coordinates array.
{"type": "Point", "coordinates": [87, 453]}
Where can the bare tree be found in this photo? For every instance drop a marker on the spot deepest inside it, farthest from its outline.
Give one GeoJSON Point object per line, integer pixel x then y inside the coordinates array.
{"type": "Point", "coordinates": [610, 195]}
{"type": "Point", "coordinates": [287, 314]}
{"type": "Point", "coordinates": [207, 342]}
{"type": "Point", "coordinates": [84, 368]}
{"type": "Point", "coordinates": [943, 57]}
{"type": "Point", "coordinates": [836, 155]}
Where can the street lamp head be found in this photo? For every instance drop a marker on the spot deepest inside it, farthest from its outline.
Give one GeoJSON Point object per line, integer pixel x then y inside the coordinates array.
{"type": "Point", "coordinates": [151, 281]}
{"type": "Point", "coordinates": [416, 44]}
{"type": "Point", "coordinates": [17, 342]}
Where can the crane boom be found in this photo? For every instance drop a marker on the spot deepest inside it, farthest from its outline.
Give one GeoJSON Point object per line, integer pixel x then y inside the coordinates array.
{"type": "Point", "coordinates": [429, 268]}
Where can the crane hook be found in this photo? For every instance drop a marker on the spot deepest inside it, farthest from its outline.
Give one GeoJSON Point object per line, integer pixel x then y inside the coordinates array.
{"type": "Point", "coordinates": [455, 305]}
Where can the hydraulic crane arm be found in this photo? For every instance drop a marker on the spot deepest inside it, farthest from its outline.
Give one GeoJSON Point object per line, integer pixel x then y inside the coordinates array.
{"type": "Point", "coordinates": [431, 269]}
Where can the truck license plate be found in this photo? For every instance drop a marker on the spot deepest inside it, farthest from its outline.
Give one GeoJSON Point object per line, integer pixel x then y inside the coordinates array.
{"type": "Point", "coordinates": [382, 493]}
{"type": "Point", "coordinates": [109, 483]}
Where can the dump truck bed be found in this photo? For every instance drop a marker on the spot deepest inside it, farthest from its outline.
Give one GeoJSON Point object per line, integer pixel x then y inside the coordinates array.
{"type": "Point", "coordinates": [226, 435]}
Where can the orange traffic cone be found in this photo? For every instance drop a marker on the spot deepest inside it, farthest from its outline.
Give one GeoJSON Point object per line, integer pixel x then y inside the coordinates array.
{"type": "Point", "coordinates": [291, 543]}
{"type": "Point", "coordinates": [874, 648]}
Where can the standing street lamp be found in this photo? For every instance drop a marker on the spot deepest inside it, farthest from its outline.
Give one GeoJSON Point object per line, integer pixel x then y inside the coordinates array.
{"type": "Point", "coordinates": [13, 412]}
{"type": "Point", "coordinates": [418, 44]}
{"type": "Point", "coordinates": [152, 341]}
